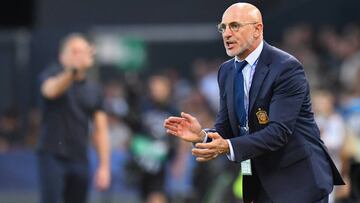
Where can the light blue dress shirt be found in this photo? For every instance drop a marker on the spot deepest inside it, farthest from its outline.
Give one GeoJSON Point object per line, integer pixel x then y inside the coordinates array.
{"type": "Point", "coordinates": [248, 73]}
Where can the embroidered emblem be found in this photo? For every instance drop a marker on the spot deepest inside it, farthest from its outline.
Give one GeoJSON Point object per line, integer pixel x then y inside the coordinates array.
{"type": "Point", "coordinates": [262, 116]}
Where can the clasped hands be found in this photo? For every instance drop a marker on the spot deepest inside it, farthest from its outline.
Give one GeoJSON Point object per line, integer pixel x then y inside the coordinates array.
{"type": "Point", "coordinates": [189, 129]}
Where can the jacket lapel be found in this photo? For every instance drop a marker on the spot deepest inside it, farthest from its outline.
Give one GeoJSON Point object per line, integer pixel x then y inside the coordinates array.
{"type": "Point", "coordinates": [261, 71]}
{"type": "Point", "coordinates": [230, 98]}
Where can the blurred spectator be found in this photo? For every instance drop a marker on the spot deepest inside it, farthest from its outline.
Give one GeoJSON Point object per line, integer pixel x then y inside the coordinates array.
{"type": "Point", "coordinates": [350, 48]}
{"type": "Point", "coordinates": [351, 105]}
{"type": "Point", "coordinates": [33, 127]}
{"type": "Point", "coordinates": [331, 125]}
{"type": "Point", "coordinates": [115, 99]}
{"type": "Point", "coordinates": [298, 41]}
{"type": "Point", "coordinates": [181, 86]}
{"type": "Point", "coordinates": [151, 148]}
{"type": "Point", "coordinates": [351, 152]}
{"type": "Point", "coordinates": [328, 41]}
{"type": "Point", "coordinates": [206, 74]}
{"type": "Point", "coordinates": [117, 108]}
{"type": "Point", "coordinates": [10, 129]}
{"type": "Point", "coordinates": [332, 128]}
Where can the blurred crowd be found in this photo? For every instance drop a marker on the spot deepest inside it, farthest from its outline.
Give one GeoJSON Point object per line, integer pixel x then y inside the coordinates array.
{"type": "Point", "coordinates": [138, 102]}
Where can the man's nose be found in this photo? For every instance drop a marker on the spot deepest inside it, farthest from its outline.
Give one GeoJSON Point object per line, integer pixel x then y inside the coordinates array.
{"type": "Point", "coordinates": [227, 32]}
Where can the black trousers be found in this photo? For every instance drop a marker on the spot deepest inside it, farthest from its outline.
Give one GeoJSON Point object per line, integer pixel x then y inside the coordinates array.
{"type": "Point", "coordinates": [254, 193]}
{"type": "Point", "coordinates": [62, 180]}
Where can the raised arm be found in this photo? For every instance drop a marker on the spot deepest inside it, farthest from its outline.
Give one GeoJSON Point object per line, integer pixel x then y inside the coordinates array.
{"type": "Point", "coordinates": [55, 86]}
{"type": "Point", "coordinates": [76, 57]}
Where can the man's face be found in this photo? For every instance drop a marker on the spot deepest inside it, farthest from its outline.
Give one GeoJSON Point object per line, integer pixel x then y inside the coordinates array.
{"type": "Point", "coordinates": [77, 53]}
{"type": "Point", "coordinates": [160, 88]}
{"type": "Point", "coordinates": [238, 42]}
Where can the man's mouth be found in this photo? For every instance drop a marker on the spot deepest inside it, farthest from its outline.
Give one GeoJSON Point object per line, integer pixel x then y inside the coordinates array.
{"type": "Point", "coordinates": [230, 44]}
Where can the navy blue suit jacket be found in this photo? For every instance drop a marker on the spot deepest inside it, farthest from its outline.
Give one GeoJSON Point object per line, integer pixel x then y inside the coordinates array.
{"type": "Point", "coordinates": [284, 143]}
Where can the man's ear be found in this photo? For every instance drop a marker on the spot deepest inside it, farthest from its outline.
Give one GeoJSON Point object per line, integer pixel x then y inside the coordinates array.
{"type": "Point", "coordinates": [258, 30]}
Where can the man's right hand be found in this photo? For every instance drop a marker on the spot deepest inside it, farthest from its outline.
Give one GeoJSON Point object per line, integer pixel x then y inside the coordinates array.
{"type": "Point", "coordinates": [185, 127]}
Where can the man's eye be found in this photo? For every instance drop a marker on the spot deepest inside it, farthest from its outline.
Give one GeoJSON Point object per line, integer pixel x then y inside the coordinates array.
{"type": "Point", "coordinates": [234, 26]}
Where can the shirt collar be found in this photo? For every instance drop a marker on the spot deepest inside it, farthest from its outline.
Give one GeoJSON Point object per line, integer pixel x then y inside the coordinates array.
{"type": "Point", "coordinates": [253, 56]}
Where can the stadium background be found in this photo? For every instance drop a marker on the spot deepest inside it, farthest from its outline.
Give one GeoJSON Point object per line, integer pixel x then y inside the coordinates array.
{"type": "Point", "coordinates": [179, 38]}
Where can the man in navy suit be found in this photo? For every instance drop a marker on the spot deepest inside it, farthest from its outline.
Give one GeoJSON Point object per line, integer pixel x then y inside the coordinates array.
{"type": "Point", "coordinates": [265, 120]}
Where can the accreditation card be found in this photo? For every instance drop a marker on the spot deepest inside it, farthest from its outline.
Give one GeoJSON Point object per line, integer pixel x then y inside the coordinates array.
{"type": "Point", "coordinates": [246, 168]}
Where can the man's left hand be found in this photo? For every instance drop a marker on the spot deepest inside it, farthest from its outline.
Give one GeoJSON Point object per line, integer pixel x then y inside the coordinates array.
{"type": "Point", "coordinates": [211, 150]}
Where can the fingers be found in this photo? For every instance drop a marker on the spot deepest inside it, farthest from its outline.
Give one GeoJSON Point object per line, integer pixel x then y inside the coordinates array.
{"type": "Point", "coordinates": [173, 119]}
{"type": "Point", "coordinates": [212, 144]}
{"type": "Point", "coordinates": [202, 159]}
{"type": "Point", "coordinates": [172, 123]}
{"type": "Point", "coordinates": [214, 136]}
{"type": "Point", "coordinates": [172, 132]}
{"type": "Point", "coordinates": [208, 145]}
{"type": "Point", "coordinates": [171, 127]}
{"type": "Point", "coordinates": [203, 155]}
{"type": "Point", "coordinates": [203, 152]}
{"type": "Point", "coordinates": [187, 116]}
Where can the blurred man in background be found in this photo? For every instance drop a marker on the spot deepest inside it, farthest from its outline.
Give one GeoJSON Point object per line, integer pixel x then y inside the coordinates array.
{"type": "Point", "coordinates": [70, 100]}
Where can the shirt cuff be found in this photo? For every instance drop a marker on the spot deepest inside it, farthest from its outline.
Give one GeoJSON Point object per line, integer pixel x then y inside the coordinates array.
{"type": "Point", "coordinates": [230, 156]}
{"type": "Point", "coordinates": [206, 136]}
